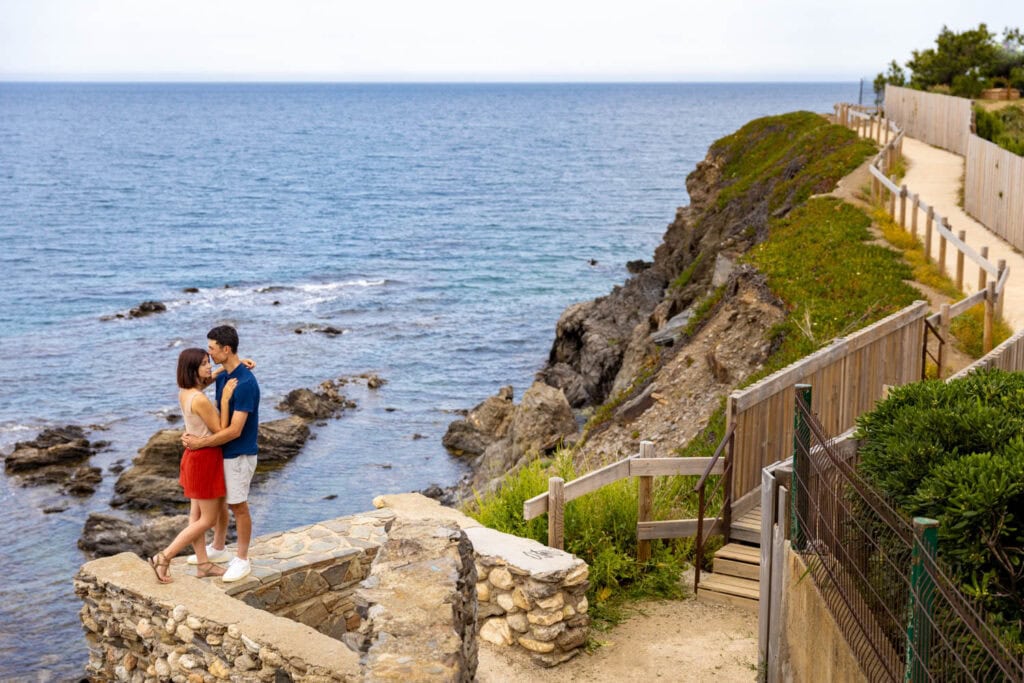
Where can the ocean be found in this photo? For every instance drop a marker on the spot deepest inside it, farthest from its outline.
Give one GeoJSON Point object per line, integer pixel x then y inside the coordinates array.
{"type": "Point", "coordinates": [442, 227]}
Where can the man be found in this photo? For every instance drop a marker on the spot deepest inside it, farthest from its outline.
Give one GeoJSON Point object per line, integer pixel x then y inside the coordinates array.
{"type": "Point", "coordinates": [239, 444]}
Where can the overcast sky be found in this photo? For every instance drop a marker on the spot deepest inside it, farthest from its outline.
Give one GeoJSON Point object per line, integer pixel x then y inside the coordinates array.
{"type": "Point", "coordinates": [464, 40]}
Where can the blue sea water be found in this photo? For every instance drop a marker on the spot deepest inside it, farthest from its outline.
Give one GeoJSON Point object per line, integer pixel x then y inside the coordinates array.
{"type": "Point", "coordinates": [443, 227]}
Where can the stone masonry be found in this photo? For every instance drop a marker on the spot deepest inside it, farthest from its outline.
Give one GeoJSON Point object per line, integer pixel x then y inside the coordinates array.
{"type": "Point", "coordinates": [391, 594]}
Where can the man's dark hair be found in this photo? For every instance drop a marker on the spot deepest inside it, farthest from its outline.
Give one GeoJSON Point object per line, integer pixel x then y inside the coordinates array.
{"type": "Point", "coordinates": [225, 335]}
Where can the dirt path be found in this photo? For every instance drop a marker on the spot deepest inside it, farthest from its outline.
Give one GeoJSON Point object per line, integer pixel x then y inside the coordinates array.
{"type": "Point", "coordinates": [676, 640]}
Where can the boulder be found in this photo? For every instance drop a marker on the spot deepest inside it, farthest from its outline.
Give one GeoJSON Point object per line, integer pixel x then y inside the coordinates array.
{"type": "Point", "coordinates": [55, 457]}
{"type": "Point", "coordinates": [316, 405]}
{"type": "Point", "coordinates": [486, 423]}
{"type": "Point", "coordinates": [541, 420]}
{"type": "Point", "coordinates": [147, 308]}
{"type": "Point", "coordinates": [280, 440]}
{"type": "Point", "coordinates": [105, 534]}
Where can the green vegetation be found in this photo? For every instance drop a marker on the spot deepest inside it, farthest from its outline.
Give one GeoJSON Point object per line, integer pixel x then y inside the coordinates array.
{"type": "Point", "coordinates": [954, 452]}
{"type": "Point", "coordinates": [968, 328]}
{"type": "Point", "coordinates": [600, 528]}
{"type": "Point", "coordinates": [1004, 127]}
{"type": "Point", "coordinates": [702, 311]}
{"type": "Point", "coordinates": [683, 278]}
{"type": "Point", "coordinates": [796, 155]}
{"type": "Point", "coordinates": [828, 296]}
{"type": "Point", "coordinates": [962, 64]}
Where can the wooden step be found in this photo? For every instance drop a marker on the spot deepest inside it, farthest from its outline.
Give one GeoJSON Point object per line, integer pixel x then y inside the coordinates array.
{"type": "Point", "coordinates": [740, 570]}
{"type": "Point", "coordinates": [747, 534]}
{"type": "Point", "coordinates": [728, 590]}
{"type": "Point", "coordinates": [740, 553]}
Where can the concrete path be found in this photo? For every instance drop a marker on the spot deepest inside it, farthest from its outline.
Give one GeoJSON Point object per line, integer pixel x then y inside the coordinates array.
{"type": "Point", "coordinates": [935, 175]}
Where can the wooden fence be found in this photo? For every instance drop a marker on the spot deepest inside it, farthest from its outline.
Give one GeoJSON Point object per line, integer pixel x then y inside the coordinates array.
{"type": "Point", "coordinates": [848, 376]}
{"type": "Point", "coordinates": [993, 176]}
{"type": "Point", "coordinates": [994, 189]}
{"type": "Point", "coordinates": [939, 120]}
{"type": "Point", "coordinates": [1007, 356]}
{"type": "Point", "coordinates": [643, 465]}
{"type": "Point", "coordinates": [908, 211]}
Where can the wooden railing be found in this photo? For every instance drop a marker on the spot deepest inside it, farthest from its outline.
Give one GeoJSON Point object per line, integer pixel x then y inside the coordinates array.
{"type": "Point", "coordinates": [993, 176]}
{"type": "Point", "coordinates": [850, 375]}
{"type": "Point", "coordinates": [643, 465]}
{"type": "Point", "coordinates": [936, 226]}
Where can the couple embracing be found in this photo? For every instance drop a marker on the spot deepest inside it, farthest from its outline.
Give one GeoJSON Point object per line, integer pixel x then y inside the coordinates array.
{"type": "Point", "coordinates": [220, 456]}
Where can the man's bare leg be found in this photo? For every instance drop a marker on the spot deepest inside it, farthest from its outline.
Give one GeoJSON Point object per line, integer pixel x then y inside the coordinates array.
{"type": "Point", "coordinates": [243, 525]}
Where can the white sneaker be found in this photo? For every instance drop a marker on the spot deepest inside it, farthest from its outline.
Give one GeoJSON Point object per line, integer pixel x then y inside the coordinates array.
{"type": "Point", "coordinates": [212, 554]}
{"type": "Point", "coordinates": [237, 569]}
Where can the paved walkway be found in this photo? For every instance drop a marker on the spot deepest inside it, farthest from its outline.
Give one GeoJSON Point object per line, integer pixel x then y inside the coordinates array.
{"type": "Point", "coordinates": [935, 175]}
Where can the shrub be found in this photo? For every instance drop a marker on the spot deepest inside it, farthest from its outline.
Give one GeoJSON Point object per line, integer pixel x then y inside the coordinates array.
{"type": "Point", "coordinates": [955, 452]}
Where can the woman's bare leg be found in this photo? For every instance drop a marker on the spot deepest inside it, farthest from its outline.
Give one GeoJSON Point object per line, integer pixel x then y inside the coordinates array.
{"type": "Point", "coordinates": [208, 510]}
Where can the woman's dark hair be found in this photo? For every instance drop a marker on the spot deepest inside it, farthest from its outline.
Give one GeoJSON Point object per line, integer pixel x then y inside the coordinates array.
{"type": "Point", "coordinates": [225, 335]}
{"type": "Point", "coordinates": [188, 368]}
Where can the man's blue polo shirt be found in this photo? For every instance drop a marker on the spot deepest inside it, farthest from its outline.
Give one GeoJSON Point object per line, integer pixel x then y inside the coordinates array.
{"type": "Point", "coordinates": [246, 399]}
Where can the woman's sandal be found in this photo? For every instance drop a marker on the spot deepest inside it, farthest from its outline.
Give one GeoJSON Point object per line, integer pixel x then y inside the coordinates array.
{"type": "Point", "coordinates": [205, 569]}
{"type": "Point", "coordinates": [160, 560]}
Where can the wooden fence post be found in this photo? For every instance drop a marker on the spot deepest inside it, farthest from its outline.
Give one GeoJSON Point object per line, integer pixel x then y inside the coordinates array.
{"type": "Point", "coordinates": [801, 466]}
{"type": "Point", "coordinates": [645, 502]}
{"type": "Point", "coordinates": [929, 218]}
{"type": "Point", "coordinates": [942, 247]}
{"type": "Point", "coordinates": [556, 513]}
{"type": "Point", "coordinates": [921, 598]}
{"type": "Point", "coordinates": [982, 273]}
{"type": "Point", "coordinates": [1001, 266]}
{"type": "Point", "coordinates": [944, 323]}
{"type": "Point", "coordinates": [990, 305]}
{"type": "Point", "coordinates": [915, 209]}
{"type": "Point", "coordinates": [962, 236]}
{"type": "Point", "coordinates": [903, 206]}
{"type": "Point", "coordinates": [892, 199]}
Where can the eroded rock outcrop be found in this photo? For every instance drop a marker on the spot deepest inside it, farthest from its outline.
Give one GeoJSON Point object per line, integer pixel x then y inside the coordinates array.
{"type": "Point", "coordinates": [105, 534]}
{"type": "Point", "coordinates": [56, 457]}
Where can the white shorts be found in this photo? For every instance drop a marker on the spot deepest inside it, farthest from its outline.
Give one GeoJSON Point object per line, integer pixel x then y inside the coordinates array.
{"type": "Point", "coordinates": [238, 473]}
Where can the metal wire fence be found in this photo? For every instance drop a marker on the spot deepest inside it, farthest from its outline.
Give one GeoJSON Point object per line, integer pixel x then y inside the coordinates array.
{"type": "Point", "coordinates": [902, 615]}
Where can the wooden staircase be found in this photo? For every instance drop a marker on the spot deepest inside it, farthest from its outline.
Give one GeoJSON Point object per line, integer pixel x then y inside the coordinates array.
{"type": "Point", "coordinates": [737, 566]}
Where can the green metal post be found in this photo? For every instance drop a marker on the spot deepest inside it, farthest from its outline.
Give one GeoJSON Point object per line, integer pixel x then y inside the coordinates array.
{"type": "Point", "coordinates": [801, 465]}
{"type": "Point", "coordinates": [922, 598]}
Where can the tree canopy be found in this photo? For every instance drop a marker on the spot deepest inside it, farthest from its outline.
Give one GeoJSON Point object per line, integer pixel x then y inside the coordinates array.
{"type": "Point", "coordinates": [962, 63]}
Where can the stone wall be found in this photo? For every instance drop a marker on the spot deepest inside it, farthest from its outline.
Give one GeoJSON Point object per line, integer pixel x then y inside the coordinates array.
{"type": "Point", "coordinates": [530, 595]}
{"type": "Point", "coordinates": [189, 631]}
{"type": "Point", "coordinates": [391, 594]}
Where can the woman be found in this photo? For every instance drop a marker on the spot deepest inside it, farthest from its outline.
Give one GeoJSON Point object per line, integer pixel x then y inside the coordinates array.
{"type": "Point", "coordinates": [202, 471]}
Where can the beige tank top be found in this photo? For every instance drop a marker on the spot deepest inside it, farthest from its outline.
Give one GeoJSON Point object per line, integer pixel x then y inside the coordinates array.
{"type": "Point", "coordinates": [193, 423]}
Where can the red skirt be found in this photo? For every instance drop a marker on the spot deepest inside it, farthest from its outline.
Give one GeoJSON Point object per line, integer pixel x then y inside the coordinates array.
{"type": "Point", "coordinates": [202, 473]}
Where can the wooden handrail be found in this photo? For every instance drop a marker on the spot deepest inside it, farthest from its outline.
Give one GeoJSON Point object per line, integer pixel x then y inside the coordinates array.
{"type": "Point", "coordinates": [714, 458]}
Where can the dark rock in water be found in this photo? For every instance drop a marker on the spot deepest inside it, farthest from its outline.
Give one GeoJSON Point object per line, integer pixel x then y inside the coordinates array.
{"type": "Point", "coordinates": [373, 380]}
{"type": "Point", "coordinates": [330, 330]}
{"type": "Point", "coordinates": [298, 330]}
{"type": "Point", "coordinates": [330, 496]}
{"type": "Point", "coordinates": [172, 417]}
{"type": "Point", "coordinates": [54, 457]}
{"type": "Point", "coordinates": [100, 445]}
{"type": "Point", "coordinates": [147, 308]}
{"type": "Point", "coordinates": [152, 480]}
{"type": "Point", "coordinates": [433, 491]}
{"type": "Point", "coordinates": [58, 507]}
{"type": "Point", "coordinates": [592, 261]}
{"type": "Point", "coordinates": [83, 481]}
{"type": "Point", "coordinates": [485, 424]}
{"type": "Point", "coordinates": [417, 436]}
{"type": "Point", "coordinates": [116, 468]}
{"type": "Point", "coordinates": [276, 303]}
{"type": "Point", "coordinates": [281, 440]}
{"type": "Point", "coordinates": [311, 405]}
{"type": "Point", "coordinates": [390, 409]}
{"type": "Point", "coordinates": [105, 534]}
{"type": "Point", "coordinates": [191, 290]}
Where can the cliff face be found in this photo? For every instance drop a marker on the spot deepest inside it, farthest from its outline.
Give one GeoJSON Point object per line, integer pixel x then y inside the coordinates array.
{"type": "Point", "coordinates": [761, 171]}
{"type": "Point", "coordinates": [659, 351]}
